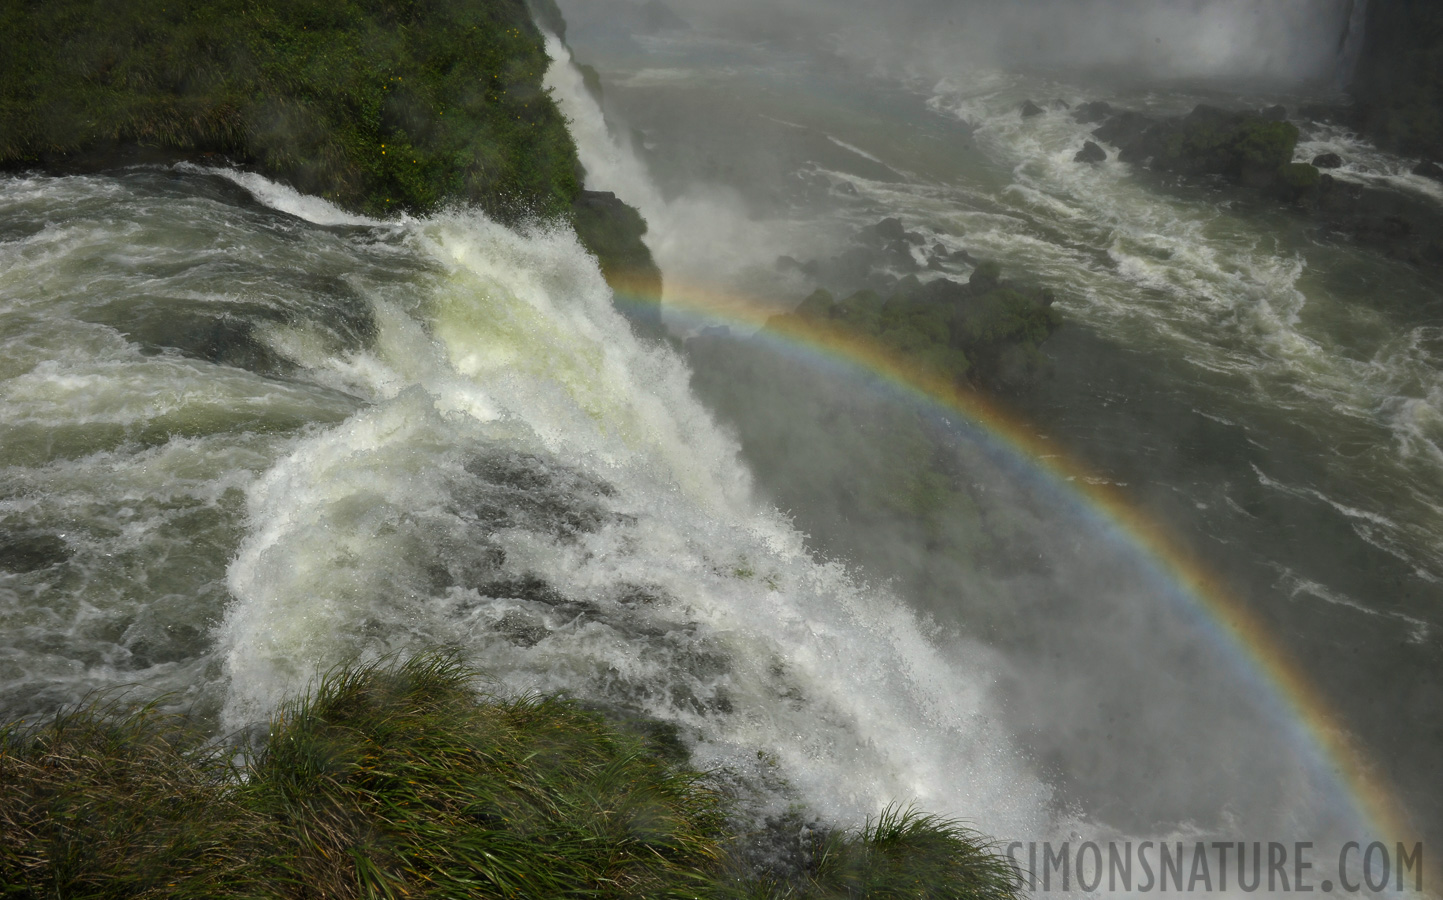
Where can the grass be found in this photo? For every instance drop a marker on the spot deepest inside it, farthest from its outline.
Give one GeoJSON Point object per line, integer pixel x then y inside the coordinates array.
{"type": "Point", "coordinates": [400, 780]}
{"type": "Point", "coordinates": [380, 105]}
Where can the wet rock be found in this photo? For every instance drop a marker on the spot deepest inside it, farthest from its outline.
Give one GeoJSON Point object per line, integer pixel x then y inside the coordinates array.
{"type": "Point", "coordinates": [1429, 169]}
{"type": "Point", "coordinates": [985, 277]}
{"type": "Point", "coordinates": [21, 553]}
{"type": "Point", "coordinates": [1090, 153]}
{"type": "Point", "coordinates": [1096, 111]}
{"type": "Point", "coordinates": [1030, 109]}
{"type": "Point", "coordinates": [887, 232]}
{"type": "Point", "coordinates": [1136, 136]}
{"type": "Point", "coordinates": [1327, 160]}
{"type": "Point", "coordinates": [1274, 113]}
{"type": "Point", "coordinates": [1296, 181]}
{"type": "Point", "coordinates": [1240, 146]}
{"type": "Point", "coordinates": [899, 255]}
{"type": "Point", "coordinates": [612, 230]}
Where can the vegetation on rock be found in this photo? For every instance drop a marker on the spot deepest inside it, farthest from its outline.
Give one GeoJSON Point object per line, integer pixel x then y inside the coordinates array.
{"type": "Point", "coordinates": [986, 330]}
{"type": "Point", "coordinates": [1240, 145]}
{"type": "Point", "coordinates": [382, 106]}
{"type": "Point", "coordinates": [403, 781]}
{"type": "Point", "coordinates": [379, 105]}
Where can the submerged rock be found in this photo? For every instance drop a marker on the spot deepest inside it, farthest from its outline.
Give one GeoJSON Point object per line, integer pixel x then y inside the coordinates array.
{"type": "Point", "coordinates": [1030, 109]}
{"type": "Point", "coordinates": [21, 553]}
{"type": "Point", "coordinates": [1327, 160]}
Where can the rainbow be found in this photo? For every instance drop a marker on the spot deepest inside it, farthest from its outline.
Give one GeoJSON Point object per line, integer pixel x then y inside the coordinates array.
{"type": "Point", "coordinates": [1315, 724]}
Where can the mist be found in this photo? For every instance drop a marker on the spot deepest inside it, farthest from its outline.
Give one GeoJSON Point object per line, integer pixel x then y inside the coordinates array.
{"type": "Point", "coordinates": [1274, 41]}
{"type": "Point", "coordinates": [758, 136]}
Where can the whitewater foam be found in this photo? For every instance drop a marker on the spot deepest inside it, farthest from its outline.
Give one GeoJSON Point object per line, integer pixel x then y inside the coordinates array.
{"type": "Point", "coordinates": [534, 485]}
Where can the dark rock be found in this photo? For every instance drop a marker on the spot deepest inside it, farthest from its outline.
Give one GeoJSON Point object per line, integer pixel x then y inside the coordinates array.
{"type": "Point", "coordinates": [1399, 224]}
{"type": "Point", "coordinates": [1090, 153]}
{"type": "Point", "coordinates": [888, 230]}
{"type": "Point", "coordinates": [1096, 111]}
{"type": "Point", "coordinates": [899, 255]}
{"type": "Point", "coordinates": [1396, 81]}
{"type": "Point", "coordinates": [612, 231]}
{"type": "Point", "coordinates": [1274, 113]}
{"type": "Point", "coordinates": [1030, 109]}
{"type": "Point", "coordinates": [1059, 103]}
{"type": "Point", "coordinates": [1296, 180]}
{"type": "Point", "coordinates": [788, 264]}
{"type": "Point", "coordinates": [1429, 169]}
{"type": "Point", "coordinates": [20, 553]}
{"type": "Point", "coordinates": [1327, 160]}
{"type": "Point", "coordinates": [1136, 136]}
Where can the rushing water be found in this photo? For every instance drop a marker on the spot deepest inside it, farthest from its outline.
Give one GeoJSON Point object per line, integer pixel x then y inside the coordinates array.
{"type": "Point", "coordinates": [259, 438]}
{"type": "Point", "coordinates": [247, 436]}
{"type": "Point", "coordinates": [1267, 396]}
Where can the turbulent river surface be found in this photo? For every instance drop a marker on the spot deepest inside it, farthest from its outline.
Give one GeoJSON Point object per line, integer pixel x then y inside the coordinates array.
{"type": "Point", "coordinates": [247, 436]}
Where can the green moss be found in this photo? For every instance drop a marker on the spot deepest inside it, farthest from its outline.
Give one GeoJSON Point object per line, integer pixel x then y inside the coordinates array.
{"type": "Point", "coordinates": [983, 331]}
{"type": "Point", "coordinates": [1212, 141]}
{"type": "Point", "coordinates": [1299, 176]}
{"type": "Point", "coordinates": [380, 105]}
{"type": "Point", "coordinates": [401, 780]}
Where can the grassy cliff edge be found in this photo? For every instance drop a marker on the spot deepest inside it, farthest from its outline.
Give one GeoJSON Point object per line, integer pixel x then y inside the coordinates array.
{"type": "Point", "coordinates": [401, 780]}
{"type": "Point", "coordinates": [381, 106]}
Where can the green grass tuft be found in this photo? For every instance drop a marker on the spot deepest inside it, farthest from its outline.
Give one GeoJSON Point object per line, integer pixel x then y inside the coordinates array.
{"type": "Point", "coordinates": [401, 780]}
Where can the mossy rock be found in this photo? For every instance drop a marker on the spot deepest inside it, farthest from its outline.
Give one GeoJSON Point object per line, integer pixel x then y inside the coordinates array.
{"type": "Point", "coordinates": [613, 231]}
{"type": "Point", "coordinates": [1296, 180]}
{"type": "Point", "coordinates": [379, 105]}
{"type": "Point", "coordinates": [1240, 145]}
{"type": "Point", "coordinates": [961, 332]}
